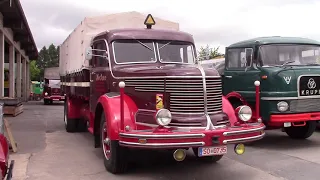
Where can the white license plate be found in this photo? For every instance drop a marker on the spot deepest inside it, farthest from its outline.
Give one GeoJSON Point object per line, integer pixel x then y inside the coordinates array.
{"type": "Point", "coordinates": [211, 151]}
{"type": "Point", "coordinates": [56, 99]}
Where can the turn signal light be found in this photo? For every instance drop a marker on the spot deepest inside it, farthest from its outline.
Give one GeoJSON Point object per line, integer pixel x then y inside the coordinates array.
{"type": "Point", "coordinates": [264, 77]}
{"type": "Point", "coordinates": [239, 149]}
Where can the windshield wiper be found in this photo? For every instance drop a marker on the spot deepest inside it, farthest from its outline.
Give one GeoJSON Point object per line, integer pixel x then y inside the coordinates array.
{"type": "Point", "coordinates": [144, 45]}
{"type": "Point", "coordinates": [165, 45]}
{"type": "Point", "coordinates": [288, 62]}
{"type": "Point", "coordinates": [312, 64]}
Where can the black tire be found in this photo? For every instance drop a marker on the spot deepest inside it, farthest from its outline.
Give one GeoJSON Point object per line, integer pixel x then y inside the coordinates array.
{"type": "Point", "coordinates": [70, 124]}
{"type": "Point", "coordinates": [45, 102]}
{"type": "Point", "coordinates": [301, 132]}
{"type": "Point", "coordinates": [207, 159]}
{"type": "Point", "coordinates": [117, 162]}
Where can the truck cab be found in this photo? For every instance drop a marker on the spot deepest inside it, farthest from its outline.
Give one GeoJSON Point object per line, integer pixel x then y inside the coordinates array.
{"type": "Point", "coordinates": [52, 86]}
{"type": "Point", "coordinates": [144, 89]}
{"type": "Point", "coordinates": [288, 69]}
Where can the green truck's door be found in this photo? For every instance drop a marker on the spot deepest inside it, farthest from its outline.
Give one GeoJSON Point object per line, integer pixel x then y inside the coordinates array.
{"type": "Point", "coordinates": [239, 75]}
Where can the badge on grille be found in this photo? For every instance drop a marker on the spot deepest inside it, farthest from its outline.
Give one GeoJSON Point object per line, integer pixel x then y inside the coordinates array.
{"type": "Point", "coordinates": [159, 101]}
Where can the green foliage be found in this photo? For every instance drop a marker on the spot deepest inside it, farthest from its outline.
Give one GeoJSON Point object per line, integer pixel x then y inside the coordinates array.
{"type": "Point", "coordinates": [209, 53]}
{"type": "Point", "coordinates": [48, 57]}
{"type": "Point", "coordinates": [34, 71]}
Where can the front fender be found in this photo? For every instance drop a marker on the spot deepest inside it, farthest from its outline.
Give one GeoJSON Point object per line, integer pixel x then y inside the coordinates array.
{"type": "Point", "coordinates": [238, 96]}
{"type": "Point", "coordinates": [111, 108]}
{"type": "Point", "coordinates": [228, 109]}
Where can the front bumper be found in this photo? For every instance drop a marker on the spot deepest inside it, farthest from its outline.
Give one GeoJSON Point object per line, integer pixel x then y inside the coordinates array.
{"type": "Point", "coordinates": [298, 117]}
{"type": "Point", "coordinates": [55, 98]}
{"type": "Point", "coordinates": [154, 139]}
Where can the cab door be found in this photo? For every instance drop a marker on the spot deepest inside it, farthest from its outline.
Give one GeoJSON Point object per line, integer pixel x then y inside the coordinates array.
{"type": "Point", "coordinates": [99, 72]}
{"type": "Point", "coordinates": [239, 74]}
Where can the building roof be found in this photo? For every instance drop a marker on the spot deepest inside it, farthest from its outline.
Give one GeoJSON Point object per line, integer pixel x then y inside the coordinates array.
{"type": "Point", "coordinates": [274, 40]}
{"type": "Point", "coordinates": [15, 19]}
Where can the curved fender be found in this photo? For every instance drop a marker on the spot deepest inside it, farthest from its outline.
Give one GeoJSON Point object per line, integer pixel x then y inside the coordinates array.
{"type": "Point", "coordinates": [228, 109]}
{"type": "Point", "coordinates": [236, 95]}
{"type": "Point", "coordinates": [111, 106]}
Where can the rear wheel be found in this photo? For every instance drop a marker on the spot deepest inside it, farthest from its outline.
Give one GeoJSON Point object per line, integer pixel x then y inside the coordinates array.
{"type": "Point", "coordinates": [115, 156]}
{"type": "Point", "coordinates": [209, 159]}
{"type": "Point", "coordinates": [70, 124]}
{"type": "Point", "coordinates": [301, 132]}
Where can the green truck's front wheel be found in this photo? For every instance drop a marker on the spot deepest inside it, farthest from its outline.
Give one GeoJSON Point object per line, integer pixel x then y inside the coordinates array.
{"type": "Point", "coordinates": [301, 132]}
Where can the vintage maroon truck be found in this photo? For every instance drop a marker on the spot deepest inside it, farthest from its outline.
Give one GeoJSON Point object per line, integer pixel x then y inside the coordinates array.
{"type": "Point", "coordinates": [143, 89]}
{"type": "Point", "coordinates": [6, 169]}
{"type": "Point", "coordinates": [52, 88]}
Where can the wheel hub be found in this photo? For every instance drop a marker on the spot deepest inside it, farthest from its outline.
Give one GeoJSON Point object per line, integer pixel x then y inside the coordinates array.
{"type": "Point", "coordinates": [106, 142]}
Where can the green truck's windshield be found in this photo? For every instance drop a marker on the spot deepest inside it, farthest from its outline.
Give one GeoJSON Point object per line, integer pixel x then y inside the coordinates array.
{"type": "Point", "coordinates": [146, 51]}
{"type": "Point", "coordinates": [273, 55]}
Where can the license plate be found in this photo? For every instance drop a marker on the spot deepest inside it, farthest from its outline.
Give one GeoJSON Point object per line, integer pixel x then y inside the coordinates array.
{"type": "Point", "coordinates": [211, 151]}
{"type": "Point", "coordinates": [56, 99]}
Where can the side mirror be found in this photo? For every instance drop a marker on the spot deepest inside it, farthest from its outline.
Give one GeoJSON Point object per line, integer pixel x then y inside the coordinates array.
{"type": "Point", "coordinates": [88, 53]}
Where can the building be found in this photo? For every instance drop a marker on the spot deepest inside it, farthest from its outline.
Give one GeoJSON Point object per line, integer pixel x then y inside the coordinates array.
{"type": "Point", "coordinates": [17, 47]}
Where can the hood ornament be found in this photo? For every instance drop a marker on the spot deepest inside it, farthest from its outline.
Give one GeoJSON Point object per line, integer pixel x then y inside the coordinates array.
{"type": "Point", "coordinates": [287, 79]}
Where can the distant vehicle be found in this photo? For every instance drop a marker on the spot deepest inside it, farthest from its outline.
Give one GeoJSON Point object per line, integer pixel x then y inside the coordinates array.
{"type": "Point", "coordinates": [36, 90]}
{"type": "Point", "coordinates": [52, 87]}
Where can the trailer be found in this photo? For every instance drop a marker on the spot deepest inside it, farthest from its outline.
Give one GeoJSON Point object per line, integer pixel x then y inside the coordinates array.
{"type": "Point", "coordinates": [135, 87]}
{"type": "Point", "coordinates": [52, 87]}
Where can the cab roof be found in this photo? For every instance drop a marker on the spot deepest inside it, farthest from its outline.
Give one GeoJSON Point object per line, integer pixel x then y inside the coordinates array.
{"type": "Point", "coordinates": [140, 33]}
{"type": "Point", "coordinates": [273, 40]}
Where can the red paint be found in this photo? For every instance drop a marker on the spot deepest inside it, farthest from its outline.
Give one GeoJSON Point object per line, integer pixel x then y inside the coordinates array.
{"type": "Point", "coordinates": [4, 154]}
{"type": "Point", "coordinates": [228, 109]}
{"type": "Point", "coordinates": [237, 96]}
{"type": "Point", "coordinates": [74, 108]}
{"type": "Point", "coordinates": [257, 109]}
{"type": "Point", "coordinates": [121, 108]}
{"type": "Point", "coordinates": [111, 106]}
{"type": "Point", "coordinates": [282, 118]}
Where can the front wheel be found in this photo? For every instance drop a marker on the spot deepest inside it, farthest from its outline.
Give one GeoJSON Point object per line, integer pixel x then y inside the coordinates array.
{"type": "Point", "coordinates": [209, 159]}
{"type": "Point", "coordinates": [301, 132]}
{"type": "Point", "coordinates": [115, 156]}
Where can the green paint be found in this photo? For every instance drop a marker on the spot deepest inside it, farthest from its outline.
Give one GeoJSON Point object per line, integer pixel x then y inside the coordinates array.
{"type": "Point", "coordinates": [265, 57]}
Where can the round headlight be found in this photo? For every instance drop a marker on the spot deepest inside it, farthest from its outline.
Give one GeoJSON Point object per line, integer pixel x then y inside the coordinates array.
{"type": "Point", "coordinates": [244, 113]}
{"type": "Point", "coordinates": [282, 106]}
{"type": "Point", "coordinates": [46, 94]}
{"type": "Point", "coordinates": [163, 117]}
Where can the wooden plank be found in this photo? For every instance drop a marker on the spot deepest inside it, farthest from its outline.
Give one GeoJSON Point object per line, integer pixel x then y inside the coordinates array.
{"type": "Point", "coordinates": [10, 136]}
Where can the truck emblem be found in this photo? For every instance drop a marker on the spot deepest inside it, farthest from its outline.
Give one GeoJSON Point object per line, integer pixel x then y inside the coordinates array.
{"type": "Point", "coordinates": [101, 77]}
{"type": "Point", "coordinates": [287, 79]}
{"type": "Point", "coordinates": [311, 84]}
{"type": "Point", "coordinates": [159, 101]}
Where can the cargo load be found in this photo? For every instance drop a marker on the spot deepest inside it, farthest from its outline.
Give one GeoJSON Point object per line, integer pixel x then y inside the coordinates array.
{"type": "Point", "coordinates": [72, 56]}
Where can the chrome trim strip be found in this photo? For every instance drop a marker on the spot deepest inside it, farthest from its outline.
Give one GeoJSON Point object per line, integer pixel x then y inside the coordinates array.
{"type": "Point", "coordinates": [244, 140]}
{"type": "Point", "coordinates": [161, 145]}
{"type": "Point", "coordinates": [231, 133]}
{"type": "Point", "coordinates": [173, 127]}
{"type": "Point", "coordinates": [203, 74]}
{"type": "Point", "coordinates": [161, 136]}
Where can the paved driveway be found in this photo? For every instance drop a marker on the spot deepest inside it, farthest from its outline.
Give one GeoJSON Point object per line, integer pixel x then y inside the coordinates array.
{"type": "Point", "coordinates": [47, 152]}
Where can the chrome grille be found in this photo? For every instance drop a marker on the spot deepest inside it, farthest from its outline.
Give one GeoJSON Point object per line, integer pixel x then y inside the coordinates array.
{"type": "Point", "coordinates": [186, 94]}
{"type": "Point", "coordinates": [304, 105]}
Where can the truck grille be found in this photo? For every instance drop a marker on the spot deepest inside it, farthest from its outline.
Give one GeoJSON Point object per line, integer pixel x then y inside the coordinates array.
{"type": "Point", "coordinates": [305, 105]}
{"type": "Point", "coordinates": [186, 94]}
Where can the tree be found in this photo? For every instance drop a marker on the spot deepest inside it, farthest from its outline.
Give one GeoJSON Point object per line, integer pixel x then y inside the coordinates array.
{"type": "Point", "coordinates": [48, 57]}
{"type": "Point", "coordinates": [34, 71]}
{"type": "Point", "coordinates": [209, 53]}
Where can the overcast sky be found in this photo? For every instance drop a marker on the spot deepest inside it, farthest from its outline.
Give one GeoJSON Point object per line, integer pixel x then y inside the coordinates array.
{"type": "Point", "coordinates": [213, 22]}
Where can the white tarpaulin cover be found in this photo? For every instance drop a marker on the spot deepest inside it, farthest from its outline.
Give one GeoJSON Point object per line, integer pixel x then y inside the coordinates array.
{"type": "Point", "coordinates": [72, 50]}
{"type": "Point", "coordinates": [51, 73]}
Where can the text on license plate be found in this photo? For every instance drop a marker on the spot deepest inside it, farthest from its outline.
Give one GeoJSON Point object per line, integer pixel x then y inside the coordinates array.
{"type": "Point", "coordinates": [56, 99]}
{"type": "Point", "coordinates": [210, 151]}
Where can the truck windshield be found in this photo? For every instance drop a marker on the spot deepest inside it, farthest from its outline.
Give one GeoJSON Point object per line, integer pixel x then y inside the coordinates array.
{"type": "Point", "coordinates": [294, 54]}
{"type": "Point", "coordinates": [143, 51]}
{"type": "Point", "coordinates": [54, 83]}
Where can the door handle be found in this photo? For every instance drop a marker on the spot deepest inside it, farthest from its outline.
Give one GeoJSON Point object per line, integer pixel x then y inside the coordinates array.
{"type": "Point", "coordinates": [229, 77]}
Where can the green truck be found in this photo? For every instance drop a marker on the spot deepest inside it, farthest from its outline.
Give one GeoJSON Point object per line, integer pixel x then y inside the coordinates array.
{"type": "Point", "coordinates": [279, 77]}
{"type": "Point", "coordinates": [36, 90]}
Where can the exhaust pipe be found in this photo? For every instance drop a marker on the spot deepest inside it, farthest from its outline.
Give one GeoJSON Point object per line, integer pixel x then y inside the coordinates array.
{"type": "Point", "coordinates": [179, 154]}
